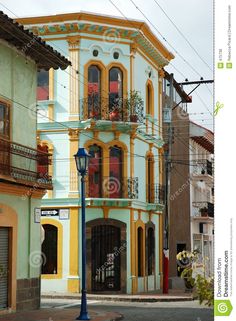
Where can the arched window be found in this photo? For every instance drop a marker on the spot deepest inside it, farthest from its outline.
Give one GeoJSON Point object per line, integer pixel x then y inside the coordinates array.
{"type": "Point", "coordinates": [150, 180]}
{"type": "Point", "coordinates": [115, 172]}
{"type": "Point", "coordinates": [115, 92]}
{"type": "Point", "coordinates": [150, 251]}
{"type": "Point", "coordinates": [49, 250]}
{"type": "Point", "coordinates": [43, 85]}
{"type": "Point", "coordinates": [94, 92]}
{"type": "Point", "coordinates": [43, 161]}
{"type": "Point", "coordinates": [140, 251]}
{"type": "Point", "coordinates": [149, 99]}
{"type": "Point", "coordinates": [95, 171]}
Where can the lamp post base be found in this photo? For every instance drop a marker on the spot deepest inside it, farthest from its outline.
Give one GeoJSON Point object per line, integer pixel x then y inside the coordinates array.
{"type": "Point", "coordinates": [83, 316]}
{"type": "Point", "coordinates": [83, 311]}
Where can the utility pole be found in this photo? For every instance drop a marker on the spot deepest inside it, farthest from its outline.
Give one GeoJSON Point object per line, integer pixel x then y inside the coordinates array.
{"type": "Point", "coordinates": [167, 192]}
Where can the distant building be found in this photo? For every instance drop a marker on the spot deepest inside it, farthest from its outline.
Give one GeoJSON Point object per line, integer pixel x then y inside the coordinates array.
{"type": "Point", "coordinates": [201, 148]}
{"type": "Point", "coordinates": [179, 218]}
{"type": "Point", "coordinates": [92, 106]}
{"type": "Point", "coordinates": [24, 176]}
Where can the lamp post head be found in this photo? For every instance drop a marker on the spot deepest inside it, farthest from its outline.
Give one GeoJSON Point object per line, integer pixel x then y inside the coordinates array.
{"type": "Point", "coordinates": [81, 160]}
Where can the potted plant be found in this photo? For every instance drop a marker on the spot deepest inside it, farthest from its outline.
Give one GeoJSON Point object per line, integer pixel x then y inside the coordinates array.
{"type": "Point", "coordinates": [134, 105]}
{"type": "Point", "coordinates": [93, 114]}
{"type": "Point", "coordinates": [115, 114]}
{"type": "Point", "coordinates": [204, 212]}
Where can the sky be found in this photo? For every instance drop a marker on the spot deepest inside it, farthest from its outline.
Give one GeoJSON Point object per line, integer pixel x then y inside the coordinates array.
{"type": "Point", "coordinates": [194, 18]}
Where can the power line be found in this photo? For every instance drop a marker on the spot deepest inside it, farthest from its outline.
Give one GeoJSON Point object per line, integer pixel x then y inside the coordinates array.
{"type": "Point", "coordinates": [181, 33]}
{"type": "Point", "coordinates": [181, 56]}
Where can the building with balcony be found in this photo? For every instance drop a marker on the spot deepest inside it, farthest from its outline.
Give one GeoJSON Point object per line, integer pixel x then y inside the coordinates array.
{"type": "Point", "coordinates": [24, 175]}
{"type": "Point", "coordinates": [109, 102]}
{"type": "Point", "coordinates": [201, 147]}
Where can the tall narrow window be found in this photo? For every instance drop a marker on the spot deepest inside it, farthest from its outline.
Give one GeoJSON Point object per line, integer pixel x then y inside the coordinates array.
{"type": "Point", "coordinates": [116, 169]}
{"type": "Point", "coordinates": [94, 92]}
{"type": "Point", "coordinates": [4, 120]}
{"type": "Point", "coordinates": [43, 161]}
{"type": "Point", "coordinates": [95, 171]}
{"type": "Point", "coordinates": [115, 93]}
{"type": "Point", "coordinates": [149, 99]}
{"type": "Point", "coordinates": [140, 251]}
{"type": "Point", "coordinates": [43, 85]}
{"type": "Point", "coordinates": [5, 134]}
{"type": "Point", "coordinates": [49, 249]}
{"type": "Point", "coordinates": [150, 180]}
{"type": "Point", "coordinates": [151, 251]}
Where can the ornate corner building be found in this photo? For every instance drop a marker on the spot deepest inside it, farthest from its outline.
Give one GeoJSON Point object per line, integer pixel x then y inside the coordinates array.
{"type": "Point", "coordinates": [110, 102]}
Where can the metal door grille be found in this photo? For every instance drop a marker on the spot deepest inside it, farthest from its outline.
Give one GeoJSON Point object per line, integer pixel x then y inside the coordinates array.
{"type": "Point", "coordinates": [4, 258]}
{"type": "Point", "coordinates": [105, 258]}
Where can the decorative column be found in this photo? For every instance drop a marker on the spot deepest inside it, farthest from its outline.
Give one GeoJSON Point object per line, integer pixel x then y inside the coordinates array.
{"type": "Point", "coordinates": [133, 50]}
{"type": "Point", "coordinates": [51, 95]}
{"type": "Point", "coordinates": [74, 143]}
{"type": "Point", "coordinates": [74, 84]}
{"type": "Point", "coordinates": [161, 75]}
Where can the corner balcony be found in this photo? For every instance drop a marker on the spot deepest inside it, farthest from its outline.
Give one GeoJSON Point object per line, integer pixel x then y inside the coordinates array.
{"type": "Point", "coordinates": [202, 210]}
{"type": "Point", "coordinates": [202, 170]}
{"type": "Point", "coordinates": [112, 191]}
{"type": "Point", "coordinates": [112, 109]}
{"type": "Point", "coordinates": [20, 164]}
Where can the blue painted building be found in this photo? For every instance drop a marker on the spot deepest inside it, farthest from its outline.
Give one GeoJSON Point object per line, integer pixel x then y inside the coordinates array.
{"type": "Point", "coordinates": [110, 102]}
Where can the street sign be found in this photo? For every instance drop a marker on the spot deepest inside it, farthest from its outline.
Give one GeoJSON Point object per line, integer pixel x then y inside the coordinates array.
{"type": "Point", "coordinates": [49, 212]}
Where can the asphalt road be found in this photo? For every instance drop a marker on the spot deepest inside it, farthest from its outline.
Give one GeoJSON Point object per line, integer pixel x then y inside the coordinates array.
{"type": "Point", "coordinates": [132, 311]}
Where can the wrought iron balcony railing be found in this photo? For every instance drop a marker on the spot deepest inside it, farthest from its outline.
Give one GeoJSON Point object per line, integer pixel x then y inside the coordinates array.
{"type": "Point", "coordinates": [155, 194]}
{"type": "Point", "coordinates": [203, 167]}
{"type": "Point", "coordinates": [203, 209]}
{"type": "Point", "coordinates": [24, 165]}
{"type": "Point", "coordinates": [113, 109]}
{"type": "Point", "coordinates": [113, 187]}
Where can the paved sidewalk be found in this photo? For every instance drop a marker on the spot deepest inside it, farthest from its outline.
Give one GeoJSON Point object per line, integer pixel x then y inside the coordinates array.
{"type": "Point", "coordinates": [173, 296]}
{"type": "Point", "coordinates": [58, 315]}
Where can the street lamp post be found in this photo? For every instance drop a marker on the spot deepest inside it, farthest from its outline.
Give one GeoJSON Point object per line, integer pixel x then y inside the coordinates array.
{"type": "Point", "coordinates": [81, 159]}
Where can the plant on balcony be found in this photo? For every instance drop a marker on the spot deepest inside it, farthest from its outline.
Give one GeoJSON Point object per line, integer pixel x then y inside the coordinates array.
{"type": "Point", "coordinates": [115, 114]}
{"type": "Point", "coordinates": [134, 103]}
{"type": "Point", "coordinates": [204, 211]}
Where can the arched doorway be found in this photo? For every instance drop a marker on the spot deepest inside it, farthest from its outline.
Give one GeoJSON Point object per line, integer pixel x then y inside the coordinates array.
{"type": "Point", "coordinates": [105, 243]}
{"type": "Point", "coordinates": [106, 255]}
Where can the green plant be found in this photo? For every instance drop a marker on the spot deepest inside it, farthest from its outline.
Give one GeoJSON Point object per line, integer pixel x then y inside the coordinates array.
{"type": "Point", "coordinates": [205, 290]}
{"type": "Point", "coordinates": [204, 286]}
{"type": "Point", "coordinates": [134, 102]}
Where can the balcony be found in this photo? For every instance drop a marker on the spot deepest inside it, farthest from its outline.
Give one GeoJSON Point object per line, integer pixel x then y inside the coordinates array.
{"type": "Point", "coordinates": [203, 209]}
{"type": "Point", "coordinates": [156, 194]}
{"type": "Point", "coordinates": [23, 165]}
{"type": "Point", "coordinates": [113, 188]}
{"type": "Point", "coordinates": [202, 170]}
{"type": "Point", "coordinates": [112, 109]}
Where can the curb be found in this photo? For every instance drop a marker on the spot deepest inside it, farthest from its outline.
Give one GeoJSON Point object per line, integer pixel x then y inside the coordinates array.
{"type": "Point", "coordinates": [120, 299]}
